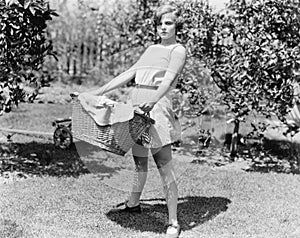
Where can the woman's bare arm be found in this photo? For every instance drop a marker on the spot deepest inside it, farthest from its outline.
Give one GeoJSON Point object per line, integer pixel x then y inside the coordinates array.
{"type": "Point", "coordinates": [116, 82]}
{"type": "Point", "coordinates": [120, 80]}
{"type": "Point", "coordinates": [176, 64]}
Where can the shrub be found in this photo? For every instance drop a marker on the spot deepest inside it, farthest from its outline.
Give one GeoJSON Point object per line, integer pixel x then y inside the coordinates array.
{"type": "Point", "coordinates": [23, 47]}
{"type": "Point", "coordinates": [256, 56]}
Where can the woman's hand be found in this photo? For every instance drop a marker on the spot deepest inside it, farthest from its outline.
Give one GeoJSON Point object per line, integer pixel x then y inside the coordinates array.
{"type": "Point", "coordinates": [147, 106]}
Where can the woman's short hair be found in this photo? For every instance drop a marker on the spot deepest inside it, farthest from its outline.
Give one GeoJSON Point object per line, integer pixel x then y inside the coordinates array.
{"type": "Point", "coordinates": [164, 9]}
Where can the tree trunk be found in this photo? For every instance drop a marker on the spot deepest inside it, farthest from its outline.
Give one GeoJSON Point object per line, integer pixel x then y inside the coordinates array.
{"type": "Point", "coordinates": [99, 38]}
{"type": "Point", "coordinates": [234, 140]}
{"type": "Point", "coordinates": [68, 62]}
{"type": "Point", "coordinates": [74, 67]}
{"type": "Point", "coordinates": [88, 55]}
{"type": "Point", "coordinates": [81, 57]}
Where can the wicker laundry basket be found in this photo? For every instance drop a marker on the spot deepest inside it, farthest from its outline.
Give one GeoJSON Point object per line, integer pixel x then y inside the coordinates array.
{"type": "Point", "coordinates": [117, 138]}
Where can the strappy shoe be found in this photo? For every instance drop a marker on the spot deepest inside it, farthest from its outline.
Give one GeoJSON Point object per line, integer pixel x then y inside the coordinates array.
{"type": "Point", "coordinates": [173, 231]}
{"type": "Point", "coordinates": [135, 209]}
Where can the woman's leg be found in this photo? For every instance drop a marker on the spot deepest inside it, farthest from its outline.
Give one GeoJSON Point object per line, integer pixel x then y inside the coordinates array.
{"type": "Point", "coordinates": [140, 156]}
{"type": "Point", "coordinates": [163, 160]}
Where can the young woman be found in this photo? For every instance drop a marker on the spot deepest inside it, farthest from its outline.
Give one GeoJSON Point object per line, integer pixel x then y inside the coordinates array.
{"type": "Point", "coordinates": [155, 73]}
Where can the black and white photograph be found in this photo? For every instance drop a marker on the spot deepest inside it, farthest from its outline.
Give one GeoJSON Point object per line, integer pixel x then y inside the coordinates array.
{"type": "Point", "coordinates": [149, 118]}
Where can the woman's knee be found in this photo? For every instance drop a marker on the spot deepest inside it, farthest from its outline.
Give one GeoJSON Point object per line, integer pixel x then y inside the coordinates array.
{"type": "Point", "coordinates": [167, 174]}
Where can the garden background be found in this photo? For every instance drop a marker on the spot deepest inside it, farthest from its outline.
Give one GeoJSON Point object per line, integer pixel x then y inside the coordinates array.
{"type": "Point", "coordinates": [238, 163]}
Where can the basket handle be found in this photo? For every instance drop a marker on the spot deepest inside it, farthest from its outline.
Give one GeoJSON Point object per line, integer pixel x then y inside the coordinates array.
{"type": "Point", "coordinates": [146, 115]}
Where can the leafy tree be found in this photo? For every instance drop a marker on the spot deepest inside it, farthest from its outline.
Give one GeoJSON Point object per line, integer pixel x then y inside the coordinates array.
{"type": "Point", "coordinates": [23, 47]}
{"type": "Point", "coordinates": [256, 56]}
{"type": "Point", "coordinates": [197, 34]}
{"type": "Point", "coordinates": [99, 41]}
{"type": "Point", "coordinates": [130, 30]}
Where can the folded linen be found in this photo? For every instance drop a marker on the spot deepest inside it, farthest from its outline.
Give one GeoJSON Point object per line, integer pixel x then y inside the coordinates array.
{"type": "Point", "coordinates": [105, 111]}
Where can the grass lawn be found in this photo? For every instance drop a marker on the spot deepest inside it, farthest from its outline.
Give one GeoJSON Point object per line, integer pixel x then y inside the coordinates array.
{"type": "Point", "coordinates": [222, 203]}
{"type": "Point", "coordinates": [48, 192]}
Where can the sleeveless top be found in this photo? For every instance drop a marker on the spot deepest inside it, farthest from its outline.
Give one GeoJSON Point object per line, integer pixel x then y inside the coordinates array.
{"type": "Point", "coordinates": [150, 70]}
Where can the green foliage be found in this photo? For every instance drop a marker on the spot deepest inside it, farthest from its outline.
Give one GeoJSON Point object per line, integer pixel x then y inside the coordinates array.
{"type": "Point", "coordinates": [256, 54]}
{"type": "Point", "coordinates": [129, 29]}
{"type": "Point", "coordinates": [97, 43]}
{"type": "Point", "coordinates": [198, 28]}
{"type": "Point", "coordinates": [23, 47]}
{"type": "Point", "coordinates": [197, 34]}
{"type": "Point", "coordinates": [255, 58]}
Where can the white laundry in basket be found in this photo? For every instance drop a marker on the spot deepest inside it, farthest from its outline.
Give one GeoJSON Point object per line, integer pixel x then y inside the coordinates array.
{"type": "Point", "coordinates": [105, 111]}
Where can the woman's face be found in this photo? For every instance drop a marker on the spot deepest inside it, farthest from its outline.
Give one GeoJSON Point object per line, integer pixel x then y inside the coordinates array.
{"type": "Point", "coordinates": [167, 26]}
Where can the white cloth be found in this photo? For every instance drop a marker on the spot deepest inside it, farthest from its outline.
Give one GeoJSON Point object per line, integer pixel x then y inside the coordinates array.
{"type": "Point", "coordinates": [105, 111]}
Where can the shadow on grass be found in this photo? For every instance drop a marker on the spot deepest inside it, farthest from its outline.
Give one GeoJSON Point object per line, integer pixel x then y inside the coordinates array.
{"type": "Point", "coordinates": [40, 159]}
{"type": "Point", "coordinates": [192, 211]}
{"type": "Point", "coordinates": [277, 156]}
